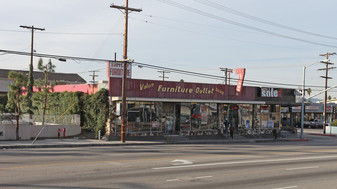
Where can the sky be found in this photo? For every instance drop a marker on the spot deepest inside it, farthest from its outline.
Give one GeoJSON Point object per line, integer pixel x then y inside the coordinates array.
{"type": "Point", "coordinates": [273, 40]}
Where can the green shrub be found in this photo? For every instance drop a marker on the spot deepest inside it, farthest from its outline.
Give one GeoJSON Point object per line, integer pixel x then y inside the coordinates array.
{"type": "Point", "coordinates": [3, 102]}
{"type": "Point", "coordinates": [93, 109]}
{"type": "Point", "coordinates": [334, 123]}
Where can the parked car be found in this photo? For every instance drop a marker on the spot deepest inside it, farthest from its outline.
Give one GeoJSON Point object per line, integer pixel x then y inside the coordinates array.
{"type": "Point", "coordinates": [314, 123]}
{"type": "Point", "coordinates": [307, 123]}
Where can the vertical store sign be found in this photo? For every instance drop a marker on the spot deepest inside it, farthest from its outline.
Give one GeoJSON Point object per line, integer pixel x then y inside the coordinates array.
{"type": "Point", "coordinates": [115, 69]}
{"type": "Point", "coordinates": [241, 72]}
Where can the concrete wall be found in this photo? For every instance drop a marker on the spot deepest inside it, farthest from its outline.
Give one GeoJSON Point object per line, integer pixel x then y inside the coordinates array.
{"type": "Point", "coordinates": [26, 132]}
{"type": "Point", "coordinates": [333, 130]}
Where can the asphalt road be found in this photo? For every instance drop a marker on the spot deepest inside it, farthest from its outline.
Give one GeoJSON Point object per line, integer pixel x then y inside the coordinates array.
{"type": "Point", "coordinates": [275, 165]}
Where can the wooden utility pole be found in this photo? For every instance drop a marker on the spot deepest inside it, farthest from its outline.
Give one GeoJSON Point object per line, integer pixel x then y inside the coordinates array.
{"type": "Point", "coordinates": [93, 80]}
{"type": "Point", "coordinates": [31, 69]}
{"type": "Point", "coordinates": [327, 63]}
{"type": "Point", "coordinates": [227, 72]}
{"type": "Point", "coordinates": [93, 76]}
{"type": "Point", "coordinates": [125, 57]}
{"type": "Point", "coordinates": [163, 74]}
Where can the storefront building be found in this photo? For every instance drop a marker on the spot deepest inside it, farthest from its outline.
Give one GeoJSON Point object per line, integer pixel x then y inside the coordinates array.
{"type": "Point", "coordinates": [182, 108]}
{"type": "Point", "coordinates": [314, 111]}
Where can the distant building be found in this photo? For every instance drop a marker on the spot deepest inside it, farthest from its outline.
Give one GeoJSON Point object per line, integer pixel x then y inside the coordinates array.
{"type": "Point", "coordinates": [332, 101]}
{"type": "Point", "coordinates": [85, 88]}
{"type": "Point", "coordinates": [57, 78]}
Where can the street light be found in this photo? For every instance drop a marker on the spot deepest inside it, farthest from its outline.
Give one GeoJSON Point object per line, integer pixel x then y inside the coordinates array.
{"type": "Point", "coordinates": [303, 95]}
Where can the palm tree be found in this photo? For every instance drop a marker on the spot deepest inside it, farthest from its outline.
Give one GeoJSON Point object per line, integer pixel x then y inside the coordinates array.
{"type": "Point", "coordinates": [309, 91]}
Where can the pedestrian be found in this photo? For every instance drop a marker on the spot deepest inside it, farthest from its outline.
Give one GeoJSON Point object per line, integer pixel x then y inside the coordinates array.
{"type": "Point", "coordinates": [275, 133]}
{"type": "Point", "coordinates": [169, 126]}
{"type": "Point", "coordinates": [231, 131]}
{"type": "Point", "coordinates": [225, 127]}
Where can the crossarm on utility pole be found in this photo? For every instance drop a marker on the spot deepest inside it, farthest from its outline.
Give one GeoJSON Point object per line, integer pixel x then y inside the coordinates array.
{"type": "Point", "coordinates": [127, 8]}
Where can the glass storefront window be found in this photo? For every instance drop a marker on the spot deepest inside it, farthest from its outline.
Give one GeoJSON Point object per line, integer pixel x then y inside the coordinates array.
{"type": "Point", "coordinates": [268, 116]}
{"type": "Point", "coordinates": [245, 114]}
{"type": "Point", "coordinates": [198, 116]}
{"type": "Point", "coordinates": [168, 118]}
{"type": "Point", "coordinates": [185, 117]}
{"type": "Point", "coordinates": [144, 117]}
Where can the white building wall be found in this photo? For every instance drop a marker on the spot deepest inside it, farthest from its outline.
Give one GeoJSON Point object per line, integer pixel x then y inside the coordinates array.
{"type": "Point", "coordinates": [27, 132]}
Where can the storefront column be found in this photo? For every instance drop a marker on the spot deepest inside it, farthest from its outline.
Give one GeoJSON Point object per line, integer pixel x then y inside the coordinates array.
{"type": "Point", "coordinates": [280, 117]}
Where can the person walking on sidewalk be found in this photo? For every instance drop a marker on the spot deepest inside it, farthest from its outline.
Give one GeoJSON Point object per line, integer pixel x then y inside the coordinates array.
{"type": "Point", "coordinates": [231, 131]}
{"type": "Point", "coordinates": [275, 133]}
{"type": "Point", "coordinates": [225, 132]}
{"type": "Point", "coordinates": [169, 126]}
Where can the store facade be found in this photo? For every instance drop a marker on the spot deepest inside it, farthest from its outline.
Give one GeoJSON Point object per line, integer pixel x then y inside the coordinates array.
{"type": "Point", "coordinates": [314, 111]}
{"type": "Point", "coordinates": [182, 108]}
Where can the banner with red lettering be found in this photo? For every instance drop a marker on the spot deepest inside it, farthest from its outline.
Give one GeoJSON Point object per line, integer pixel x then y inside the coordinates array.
{"type": "Point", "coordinates": [115, 69]}
{"type": "Point", "coordinates": [241, 72]}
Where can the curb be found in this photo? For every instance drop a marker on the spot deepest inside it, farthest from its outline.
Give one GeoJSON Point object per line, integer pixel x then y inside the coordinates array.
{"type": "Point", "coordinates": [149, 143]}
{"type": "Point", "coordinates": [323, 135]}
{"type": "Point", "coordinates": [73, 145]}
{"type": "Point", "coordinates": [294, 140]}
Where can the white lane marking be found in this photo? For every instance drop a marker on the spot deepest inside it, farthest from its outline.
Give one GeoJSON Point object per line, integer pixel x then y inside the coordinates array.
{"type": "Point", "coordinates": [300, 168]}
{"type": "Point", "coordinates": [203, 177]}
{"type": "Point", "coordinates": [181, 162]}
{"type": "Point", "coordinates": [288, 187]}
{"type": "Point", "coordinates": [244, 162]}
{"type": "Point", "coordinates": [172, 180]}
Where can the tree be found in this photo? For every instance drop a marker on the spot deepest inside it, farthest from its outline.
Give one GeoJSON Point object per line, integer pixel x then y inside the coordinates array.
{"type": "Point", "coordinates": [3, 102]}
{"type": "Point", "coordinates": [45, 85]}
{"type": "Point", "coordinates": [15, 95]}
{"type": "Point", "coordinates": [329, 97]}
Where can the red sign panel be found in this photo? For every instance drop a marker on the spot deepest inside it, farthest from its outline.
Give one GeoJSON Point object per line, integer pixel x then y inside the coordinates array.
{"type": "Point", "coordinates": [241, 72]}
{"type": "Point", "coordinates": [179, 90]}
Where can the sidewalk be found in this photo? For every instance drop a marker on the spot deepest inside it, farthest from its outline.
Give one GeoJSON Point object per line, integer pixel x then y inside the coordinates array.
{"type": "Point", "coordinates": [76, 142]}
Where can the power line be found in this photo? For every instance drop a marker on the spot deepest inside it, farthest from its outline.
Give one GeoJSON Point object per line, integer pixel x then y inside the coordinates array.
{"type": "Point", "coordinates": [200, 33]}
{"type": "Point", "coordinates": [83, 33]}
{"type": "Point", "coordinates": [64, 33]}
{"type": "Point", "coordinates": [209, 76]}
{"type": "Point", "coordinates": [215, 17]}
{"type": "Point", "coordinates": [150, 66]}
{"type": "Point", "coordinates": [251, 17]}
{"type": "Point", "coordinates": [90, 71]}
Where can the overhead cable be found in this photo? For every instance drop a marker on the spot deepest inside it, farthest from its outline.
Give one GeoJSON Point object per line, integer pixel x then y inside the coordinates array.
{"type": "Point", "coordinates": [64, 33]}
{"type": "Point", "coordinates": [251, 17]}
{"type": "Point", "coordinates": [140, 64]}
{"type": "Point", "coordinates": [215, 17]}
